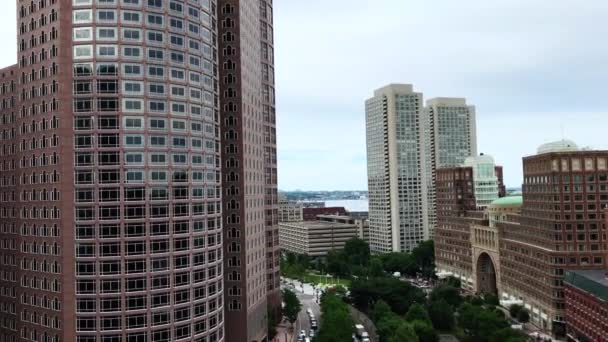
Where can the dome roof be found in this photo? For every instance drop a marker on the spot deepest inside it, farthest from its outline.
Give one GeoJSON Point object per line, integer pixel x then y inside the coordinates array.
{"type": "Point", "coordinates": [508, 202]}
{"type": "Point", "coordinates": [563, 145]}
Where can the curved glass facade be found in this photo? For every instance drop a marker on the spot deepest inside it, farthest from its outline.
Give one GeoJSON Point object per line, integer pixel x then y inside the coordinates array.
{"type": "Point", "coordinates": [148, 261]}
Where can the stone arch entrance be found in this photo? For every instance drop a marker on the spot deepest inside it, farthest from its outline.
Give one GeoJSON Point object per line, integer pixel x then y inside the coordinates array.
{"type": "Point", "coordinates": [486, 275]}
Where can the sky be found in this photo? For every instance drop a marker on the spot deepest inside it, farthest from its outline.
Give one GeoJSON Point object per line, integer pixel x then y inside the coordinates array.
{"type": "Point", "coordinates": [536, 70]}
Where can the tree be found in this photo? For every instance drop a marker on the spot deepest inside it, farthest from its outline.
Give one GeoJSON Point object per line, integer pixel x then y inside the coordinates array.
{"type": "Point", "coordinates": [480, 324]}
{"type": "Point", "coordinates": [292, 305]}
{"type": "Point", "coordinates": [380, 310]}
{"type": "Point", "coordinates": [514, 310]}
{"type": "Point", "coordinates": [404, 332]}
{"type": "Point", "coordinates": [424, 257]}
{"type": "Point", "coordinates": [453, 281]}
{"type": "Point", "coordinates": [375, 268]}
{"type": "Point", "coordinates": [442, 315]}
{"type": "Point", "coordinates": [337, 264]}
{"type": "Point", "coordinates": [387, 326]}
{"type": "Point", "coordinates": [357, 252]}
{"type": "Point", "coordinates": [397, 294]}
{"type": "Point", "coordinates": [425, 331]}
{"type": "Point", "coordinates": [523, 316]}
{"type": "Point", "coordinates": [337, 323]}
{"type": "Point", "coordinates": [448, 293]}
{"type": "Point", "coordinates": [491, 299]}
{"type": "Point", "coordinates": [417, 312]}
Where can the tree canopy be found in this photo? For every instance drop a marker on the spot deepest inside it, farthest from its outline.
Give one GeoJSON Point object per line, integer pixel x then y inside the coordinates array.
{"type": "Point", "coordinates": [292, 305]}
{"type": "Point", "coordinates": [337, 323]}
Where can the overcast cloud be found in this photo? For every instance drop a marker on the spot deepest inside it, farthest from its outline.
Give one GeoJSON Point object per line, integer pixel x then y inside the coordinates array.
{"type": "Point", "coordinates": [531, 68]}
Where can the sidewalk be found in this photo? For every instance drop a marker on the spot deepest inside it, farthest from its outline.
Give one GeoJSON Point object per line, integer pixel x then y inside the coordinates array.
{"type": "Point", "coordinates": [283, 334]}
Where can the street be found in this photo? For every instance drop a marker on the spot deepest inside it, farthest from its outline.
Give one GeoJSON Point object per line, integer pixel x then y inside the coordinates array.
{"type": "Point", "coordinates": [308, 298]}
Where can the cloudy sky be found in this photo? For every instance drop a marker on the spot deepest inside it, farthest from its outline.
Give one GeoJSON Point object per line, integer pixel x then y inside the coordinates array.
{"type": "Point", "coordinates": [530, 66]}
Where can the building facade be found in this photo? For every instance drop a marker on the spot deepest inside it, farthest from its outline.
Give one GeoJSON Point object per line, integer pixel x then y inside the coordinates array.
{"type": "Point", "coordinates": [319, 237]}
{"type": "Point", "coordinates": [586, 305]}
{"type": "Point", "coordinates": [557, 226]}
{"type": "Point", "coordinates": [560, 229]}
{"type": "Point", "coordinates": [459, 217]}
{"type": "Point", "coordinates": [249, 169]}
{"type": "Point", "coordinates": [398, 199]}
{"type": "Point", "coordinates": [290, 211]}
{"type": "Point", "coordinates": [310, 214]}
{"type": "Point", "coordinates": [406, 144]}
{"type": "Point", "coordinates": [450, 137]}
{"type": "Point", "coordinates": [125, 124]}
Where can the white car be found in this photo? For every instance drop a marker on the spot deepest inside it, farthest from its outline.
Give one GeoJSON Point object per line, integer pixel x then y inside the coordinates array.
{"type": "Point", "coordinates": [302, 333]}
{"type": "Point", "coordinates": [311, 333]}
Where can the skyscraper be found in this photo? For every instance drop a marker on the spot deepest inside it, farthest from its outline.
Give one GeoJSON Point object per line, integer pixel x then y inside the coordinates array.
{"type": "Point", "coordinates": [561, 228]}
{"type": "Point", "coordinates": [111, 171]}
{"type": "Point", "coordinates": [251, 240]}
{"type": "Point", "coordinates": [406, 143]}
{"type": "Point", "coordinates": [398, 199]}
{"type": "Point", "coordinates": [450, 137]}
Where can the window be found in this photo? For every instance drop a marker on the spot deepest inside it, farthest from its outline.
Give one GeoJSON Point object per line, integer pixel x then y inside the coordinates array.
{"type": "Point", "coordinates": [155, 54]}
{"type": "Point", "coordinates": [82, 16]}
{"type": "Point", "coordinates": [154, 19]}
{"type": "Point", "coordinates": [131, 35]}
{"type": "Point", "coordinates": [106, 33]}
{"type": "Point", "coordinates": [158, 140]}
{"type": "Point", "coordinates": [178, 125]}
{"type": "Point", "coordinates": [155, 37]}
{"type": "Point", "coordinates": [157, 124]}
{"type": "Point", "coordinates": [156, 89]}
{"type": "Point", "coordinates": [135, 176]}
{"type": "Point", "coordinates": [83, 51]}
{"type": "Point", "coordinates": [156, 71]}
{"type": "Point", "coordinates": [157, 106]}
{"type": "Point", "coordinates": [158, 158]}
{"type": "Point", "coordinates": [134, 158]}
{"type": "Point", "coordinates": [107, 51]}
{"type": "Point", "coordinates": [133, 123]}
{"type": "Point", "coordinates": [132, 17]}
{"type": "Point", "coordinates": [133, 105]}
{"type": "Point", "coordinates": [107, 86]}
{"type": "Point", "coordinates": [107, 16]}
{"type": "Point", "coordinates": [134, 140]}
{"type": "Point", "coordinates": [107, 69]}
{"type": "Point", "coordinates": [132, 70]}
{"type": "Point", "coordinates": [131, 52]}
{"type": "Point", "coordinates": [158, 176]}
{"type": "Point", "coordinates": [83, 34]}
{"type": "Point", "coordinates": [133, 88]}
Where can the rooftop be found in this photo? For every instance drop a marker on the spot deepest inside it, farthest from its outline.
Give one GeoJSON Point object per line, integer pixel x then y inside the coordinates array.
{"type": "Point", "coordinates": [594, 282]}
{"type": "Point", "coordinates": [509, 201]}
{"type": "Point", "coordinates": [318, 224]}
{"type": "Point", "coordinates": [563, 145]}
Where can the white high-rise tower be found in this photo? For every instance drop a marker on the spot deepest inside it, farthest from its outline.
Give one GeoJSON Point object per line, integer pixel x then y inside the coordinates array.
{"type": "Point", "coordinates": [396, 183]}
{"type": "Point", "coordinates": [406, 143]}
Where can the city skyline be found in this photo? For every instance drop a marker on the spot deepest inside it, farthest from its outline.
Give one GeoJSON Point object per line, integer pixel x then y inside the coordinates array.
{"type": "Point", "coordinates": [540, 74]}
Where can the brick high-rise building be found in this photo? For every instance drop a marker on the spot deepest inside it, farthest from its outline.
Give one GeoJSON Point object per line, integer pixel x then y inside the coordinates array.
{"type": "Point", "coordinates": [112, 170]}
{"type": "Point", "coordinates": [110, 174]}
{"type": "Point", "coordinates": [461, 202]}
{"type": "Point", "coordinates": [561, 228]}
{"type": "Point", "coordinates": [249, 169]}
